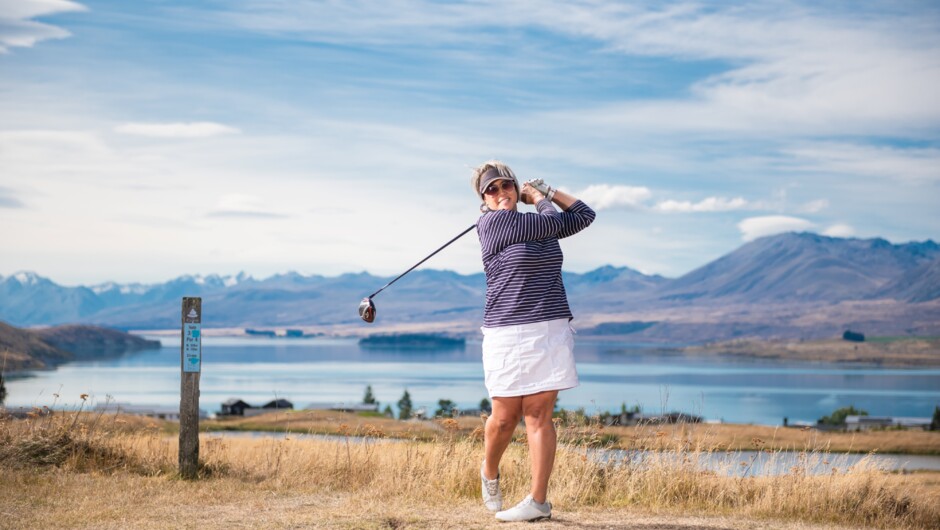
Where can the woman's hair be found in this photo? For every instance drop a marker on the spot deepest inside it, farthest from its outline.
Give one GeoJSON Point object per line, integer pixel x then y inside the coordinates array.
{"type": "Point", "coordinates": [500, 168]}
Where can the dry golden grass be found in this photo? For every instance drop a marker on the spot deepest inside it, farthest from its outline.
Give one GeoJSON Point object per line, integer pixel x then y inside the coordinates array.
{"type": "Point", "coordinates": [735, 437]}
{"type": "Point", "coordinates": [330, 422]}
{"type": "Point", "coordinates": [43, 499]}
{"type": "Point", "coordinates": [707, 437]}
{"type": "Point", "coordinates": [68, 470]}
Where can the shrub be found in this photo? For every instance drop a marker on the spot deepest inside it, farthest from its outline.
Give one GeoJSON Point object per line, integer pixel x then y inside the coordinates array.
{"type": "Point", "coordinates": [839, 415]}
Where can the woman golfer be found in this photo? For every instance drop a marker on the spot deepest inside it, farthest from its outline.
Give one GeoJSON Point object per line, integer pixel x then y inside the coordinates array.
{"type": "Point", "coordinates": [527, 342]}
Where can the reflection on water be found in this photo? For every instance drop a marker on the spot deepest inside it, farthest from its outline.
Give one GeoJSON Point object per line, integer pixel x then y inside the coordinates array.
{"type": "Point", "coordinates": [326, 371]}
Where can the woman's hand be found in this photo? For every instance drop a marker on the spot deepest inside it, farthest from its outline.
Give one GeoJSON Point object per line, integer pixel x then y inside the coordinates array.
{"type": "Point", "coordinates": [531, 195]}
{"type": "Point", "coordinates": [544, 188]}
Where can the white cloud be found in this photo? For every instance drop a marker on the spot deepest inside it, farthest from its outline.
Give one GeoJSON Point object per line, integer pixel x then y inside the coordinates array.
{"type": "Point", "coordinates": [755, 227]}
{"type": "Point", "coordinates": [604, 196]}
{"type": "Point", "coordinates": [804, 68]}
{"type": "Point", "coordinates": [607, 196]}
{"type": "Point", "coordinates": [8, 199]}
{"type": "Point", "coordinates": [39, 155]}
{"type": "Point", "coordinates": [779, 76]}
{"type": "Point", "coordinates": [814, 206]}
{"type": "Point", "coordinates": [200, 129]}
{"type": "Point", "coordinates": [711, 204]}
{"type": "Point", "coordinates": [839, 230]}
{"type": "Point", "coordinates": [242, 205]}
{"type": "Point", "coordinates": [914, 164]}
{"type": "Point", "coordinates": [797, 69]}
{"type": "Point", "coordinates": [18, 30]}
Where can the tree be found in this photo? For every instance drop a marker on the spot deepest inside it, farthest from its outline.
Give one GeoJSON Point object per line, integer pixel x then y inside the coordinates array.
{"type": "Point", "coordinates": [369, 399]}
{"type": "Point", "coordinates": [633, 410]}
{"type": "Point", "coordinates": [838, 417]}
{"type": "Point", "coordinates": [3, 390]}
{"type": "Point", "coordinates": [486, 406]}
{"type": "Point", "coordinates": [853, 336]}
{"type": "Point", "coordinates": [445, 408]}
{"type": "Point", "coordinates": [388, 412]}
{"type": "Point", "coordinates": [404, 406]}
{"type": "Point", "coordinates": [934, 424]}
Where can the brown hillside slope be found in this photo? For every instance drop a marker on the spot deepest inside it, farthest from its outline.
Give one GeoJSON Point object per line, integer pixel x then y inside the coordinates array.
{"type": "Point", "coordinates": [21, 349]}
{"type": "Point", "coordinates": [26, 349]}
{"type": "Point", "coordinates": [85, 341]}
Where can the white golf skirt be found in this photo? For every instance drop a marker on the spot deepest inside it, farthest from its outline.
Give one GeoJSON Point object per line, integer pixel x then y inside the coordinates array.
{"type": "Point", "coordinates": [529, 358]}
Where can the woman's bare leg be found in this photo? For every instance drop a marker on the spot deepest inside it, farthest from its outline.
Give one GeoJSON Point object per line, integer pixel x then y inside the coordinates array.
{"type": "Point", "coordinates": [537, 409]}
{"type": "Point", "coordinates": [507, 411]}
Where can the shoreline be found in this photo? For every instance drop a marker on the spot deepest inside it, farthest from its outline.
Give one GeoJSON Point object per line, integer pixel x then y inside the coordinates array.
{"type": "Point", "coordinates": [880, 352]}
{"type": "Point", "coordinates": [883, 352]}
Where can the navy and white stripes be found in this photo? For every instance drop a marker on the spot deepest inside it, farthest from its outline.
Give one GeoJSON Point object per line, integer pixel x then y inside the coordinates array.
{"type": "Point", "coordinates": [522, 261]}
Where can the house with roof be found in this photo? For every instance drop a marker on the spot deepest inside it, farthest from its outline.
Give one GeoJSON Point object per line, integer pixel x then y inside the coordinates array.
{"type": "Point", "coordinates": [278, 404]}
{"type": "Point", "coordinates": [234, 407]}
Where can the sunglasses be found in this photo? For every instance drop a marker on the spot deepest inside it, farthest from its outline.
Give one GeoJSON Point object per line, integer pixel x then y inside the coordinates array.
{"type": "Point", "coordinates": [494, 188]}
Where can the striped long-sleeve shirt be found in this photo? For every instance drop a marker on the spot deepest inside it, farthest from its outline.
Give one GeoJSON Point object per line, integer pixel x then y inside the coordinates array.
{"type": "Point", "coordinates": [522, 261]}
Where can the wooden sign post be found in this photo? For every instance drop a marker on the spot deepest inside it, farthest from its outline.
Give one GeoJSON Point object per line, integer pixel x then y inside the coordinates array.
{"type": "Point", "coordinates": [190, 368]}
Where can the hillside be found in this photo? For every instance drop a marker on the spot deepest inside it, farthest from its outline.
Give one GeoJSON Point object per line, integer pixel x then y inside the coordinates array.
{"type": "Point", "coordinates": [798, 285]}
{"type": "Point", "coordinates": [920, 284]}
{"type": "Point", "coordinates": [808, 267]}
{"type": "Point", "coordinates": [24, 349]}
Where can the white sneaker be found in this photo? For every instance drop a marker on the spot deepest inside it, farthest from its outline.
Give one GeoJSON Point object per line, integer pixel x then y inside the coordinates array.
{"type": "Point", "coordinates": [492, 497]}
{"type": "Point", "coordinates": [527, 510]}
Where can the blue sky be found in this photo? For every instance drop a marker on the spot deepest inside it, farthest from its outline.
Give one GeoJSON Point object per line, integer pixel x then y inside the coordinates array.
{"type": "Point", "coordinates": [144, 140]}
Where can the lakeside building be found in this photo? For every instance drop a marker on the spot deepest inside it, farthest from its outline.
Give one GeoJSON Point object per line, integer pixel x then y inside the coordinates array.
{"type": "Point", "coordinates": [239, 407]}
{"type": "Point", "coordinates": [867, 423]}
{"type": "Point", "coordinates": [234, 407]}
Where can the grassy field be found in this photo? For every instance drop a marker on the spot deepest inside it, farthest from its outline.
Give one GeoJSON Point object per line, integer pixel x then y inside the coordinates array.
{"type": "Point", "coordinates": [69, 470]}
{"type": "Point", "coordinates": [707, 437]}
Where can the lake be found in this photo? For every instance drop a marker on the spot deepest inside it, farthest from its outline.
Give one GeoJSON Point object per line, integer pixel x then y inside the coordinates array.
{"type": "Point", "coordinates": [321, 370]}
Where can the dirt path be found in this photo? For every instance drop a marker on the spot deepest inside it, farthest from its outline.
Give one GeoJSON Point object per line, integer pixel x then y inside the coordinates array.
{"type": "Point", "coordinates": [74, 500]}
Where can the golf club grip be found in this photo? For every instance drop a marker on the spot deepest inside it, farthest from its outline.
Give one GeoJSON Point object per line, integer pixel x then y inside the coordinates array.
{"type": "Point", "coordinates": [425, 259]}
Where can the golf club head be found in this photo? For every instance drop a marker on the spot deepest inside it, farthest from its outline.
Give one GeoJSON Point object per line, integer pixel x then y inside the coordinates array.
{"type": "Point", "coordinates": [367, 310]}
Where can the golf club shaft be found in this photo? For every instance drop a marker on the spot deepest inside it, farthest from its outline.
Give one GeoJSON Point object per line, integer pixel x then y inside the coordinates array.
{"type": "Point", "coordinates": [422, 261]}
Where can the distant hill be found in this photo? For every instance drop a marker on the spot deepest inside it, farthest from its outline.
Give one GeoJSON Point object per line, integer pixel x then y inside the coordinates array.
{"type": "Point", "coordinates": [27, 298]}
{"type": "Point", "coordinates": [793, 269]}
{"type": "Point", "coordinates": [806, 267]}
{"type": "Point", "coordinates": [26, 349]}
{"type": "Point", "coordinates": [920, 284]}
{"type": "Point", "coordinates": [22, 349]}
{"type": "Point", "coordinates": [92, 341]}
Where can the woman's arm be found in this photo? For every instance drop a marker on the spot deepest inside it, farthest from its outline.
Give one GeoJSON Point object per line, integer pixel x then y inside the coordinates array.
{"type": "Point", "coordinates": [576, 216]}
{"type": "Point", "coordinates": [563, 200]}
{"type": "Point", "coordinates": [502, 228]}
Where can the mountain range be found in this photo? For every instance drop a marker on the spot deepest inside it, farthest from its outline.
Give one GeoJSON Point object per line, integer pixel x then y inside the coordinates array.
{"type": "Point", "coordinates": [789, 284]}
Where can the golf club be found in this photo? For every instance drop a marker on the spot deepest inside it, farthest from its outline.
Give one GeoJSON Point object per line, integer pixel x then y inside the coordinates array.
{"type": "Point", "coordinates": [367, 308]}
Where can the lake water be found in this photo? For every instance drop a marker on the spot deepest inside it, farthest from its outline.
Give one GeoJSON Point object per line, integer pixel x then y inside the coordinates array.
{"type": "Point", "coordinates": [307, 371]}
